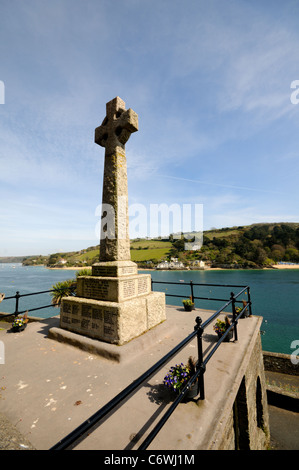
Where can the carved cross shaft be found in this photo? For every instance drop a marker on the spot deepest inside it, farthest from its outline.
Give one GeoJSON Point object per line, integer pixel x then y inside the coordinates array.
{"type": "Point", "coordinates": [113, 134]}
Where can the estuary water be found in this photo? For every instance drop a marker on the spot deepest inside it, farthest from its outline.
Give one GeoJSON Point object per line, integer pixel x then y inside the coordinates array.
{"type": "Point", "coordinates": [274, 295]}
{"type": "Point", "coordinates": [28, 279]}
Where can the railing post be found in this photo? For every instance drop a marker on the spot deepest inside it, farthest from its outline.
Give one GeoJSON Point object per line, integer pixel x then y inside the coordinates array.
{"type": "Point", "coordinates": [17, 303]}
{"type": "Point", "coordinates": [249, 301]}
{"type": "Point", "coordinates": [200, 365]}
{"type": "Point", "coordinates": [192, 293]}
{"type": "Point", "coordinates": [232, 296]}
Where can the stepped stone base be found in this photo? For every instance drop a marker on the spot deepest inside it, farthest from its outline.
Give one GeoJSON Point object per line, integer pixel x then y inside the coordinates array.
{"type": "Point", "coordinates": [113, 322]}
{"type": "Point", "coordinates": [115, 304]}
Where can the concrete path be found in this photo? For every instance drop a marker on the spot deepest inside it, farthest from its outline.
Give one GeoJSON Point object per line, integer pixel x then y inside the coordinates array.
{"type": "Point", "coordinates": [48, 388]}
{"type": "Point", "coordinates": [284, 428]}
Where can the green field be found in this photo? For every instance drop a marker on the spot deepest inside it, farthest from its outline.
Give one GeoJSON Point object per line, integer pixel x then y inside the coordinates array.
{"type": "Point", "coordinates": [142, 243]}
{"type": "Point", "coordinates": [146, 255]}
{"type": "Point", "coordinates": [89, 255]}
{"type": "Point", "coordinates": [141, 250]}
{"type": "Point", "coordinates": [221, 233]}
{"type": "Point", "coordinates": [145, 250]}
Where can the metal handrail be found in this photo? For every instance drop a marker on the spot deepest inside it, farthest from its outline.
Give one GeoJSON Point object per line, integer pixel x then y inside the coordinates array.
{"type": "Point", "coordinates": [192, 284]}
{"type": "Point", "coordinates": [78, 434]}
{"type": "Point", "coordinates": [17, 296]}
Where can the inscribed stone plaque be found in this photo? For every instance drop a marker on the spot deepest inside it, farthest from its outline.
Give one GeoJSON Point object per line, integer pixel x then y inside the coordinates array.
{"type": "Point", "coordinates": [128, 270]}
{"type": "Point", "coordinates": [142, 285]}
{"type": "Point", "coordinates": [104, 271]}
{"type": "Point", "coordinates": [114, 269]}
{"type": "Point", "coordinates": [98, 288]}
{"type": "Point", "coordinates": [128, 288]}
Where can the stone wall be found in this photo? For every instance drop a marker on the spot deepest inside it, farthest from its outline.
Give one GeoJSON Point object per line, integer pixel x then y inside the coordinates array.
{"type": "Point", "coordinates": [247, 423]}
{"type": "Point", "coordinates": [276, 362]}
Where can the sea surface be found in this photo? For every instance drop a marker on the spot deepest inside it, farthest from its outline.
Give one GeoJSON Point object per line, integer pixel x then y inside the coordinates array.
{"type": "Point", "coordinates": [274, 295]}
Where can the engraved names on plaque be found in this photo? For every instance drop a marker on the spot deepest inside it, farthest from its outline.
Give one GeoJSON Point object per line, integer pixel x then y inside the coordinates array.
{"type": "Point", "coordinates": [143, 285]}
{"type": "Point", "coordinates": [95, 288]}
{"type": "Point", "coordinates": [104, 270]}
{"type": "Point", "coordinates": [128, 270]}
{"type": "Point", "coordinates": [98, 322]}
{"type": "Point", "coordinates": [128, 288]}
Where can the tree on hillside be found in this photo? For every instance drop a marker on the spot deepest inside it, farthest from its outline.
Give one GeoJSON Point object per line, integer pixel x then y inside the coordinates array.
{"type": "Point", "coordinates": [53, 259]}
{"type": "Point", "coordinates": [277, 252]}
{"type": "Point", "coordinates": [259, 232]}
{"type": "Point", "coordinates": [292, 254]}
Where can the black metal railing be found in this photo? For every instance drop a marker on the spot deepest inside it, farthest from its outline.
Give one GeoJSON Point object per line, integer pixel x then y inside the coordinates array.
{"type": "Point", "coordinates": [192, 285]}
{"type": "Point", "coordinates": [18, 296]}
{"type": "Point", "coordinates": [88, 426]}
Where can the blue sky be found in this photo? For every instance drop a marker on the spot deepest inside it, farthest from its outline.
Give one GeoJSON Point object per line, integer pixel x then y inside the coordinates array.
{"type": "Point", "coordinates": [210, 82]}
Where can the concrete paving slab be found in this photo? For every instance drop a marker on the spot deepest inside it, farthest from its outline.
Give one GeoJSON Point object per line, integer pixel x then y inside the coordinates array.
{"type": "Point", "coordinates": [49, 387]}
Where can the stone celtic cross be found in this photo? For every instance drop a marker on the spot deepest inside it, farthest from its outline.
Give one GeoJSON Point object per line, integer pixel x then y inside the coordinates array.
{"type": "Point", "coordinates": [113, 134]}
{"type": "Point", "coordinates": [114, 304]}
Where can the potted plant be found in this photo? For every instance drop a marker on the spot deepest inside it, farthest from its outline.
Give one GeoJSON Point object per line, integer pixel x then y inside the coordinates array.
{"type": "Point", "coordinates": [221, 326]}
{"type": "Point", "coordinates": [188, 304]}
{"type": "Point", "coordinates": [20, 323]}
{"type": "Point", "coordinates": [179, 375]}
{"type": "Point", "coordinates": [246, 312]}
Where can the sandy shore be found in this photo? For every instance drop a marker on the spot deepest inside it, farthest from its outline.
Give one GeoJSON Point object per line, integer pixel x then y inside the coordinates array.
{"type": "Point", "coordinates": [69, 268]}
{"type": "Point", "coordinates": [286, 266]}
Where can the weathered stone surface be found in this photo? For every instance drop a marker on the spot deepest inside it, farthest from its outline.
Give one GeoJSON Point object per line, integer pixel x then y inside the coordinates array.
{"type": "Point", "coordinates": [113, 289]}
{"type": "Point", "coordinates": [155, 309]}
{"type": "Point", "coordinates": [114, 322]}
{"type": "Point", "coordinates": [278, 362]}
{"type": "Point", "coordinates": [246, 426]}
{"type": "Point", "coordinates": [114, 132]}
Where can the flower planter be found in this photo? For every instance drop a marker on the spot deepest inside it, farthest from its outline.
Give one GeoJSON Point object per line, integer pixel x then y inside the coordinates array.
{"type": "Point", "coordinates": [188, 308]}
{"type": "Point", "coordinates": [228, 337]}
{"type": "Point", "coordinates": [19, 324]}
{"type": "Point", "coordinates": [18, 328]}
{"type": "Point", "coordinates": [178, 377]}
{"type": "Point", "coordinates": [191, 393]}
{"type": "Point", "coordinates": [245, 314]}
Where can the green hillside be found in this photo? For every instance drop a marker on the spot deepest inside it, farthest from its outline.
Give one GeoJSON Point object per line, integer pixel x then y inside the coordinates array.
{"type": "Point", "coordinates": [253, 246]}
{"type": "Point", "coordinates": [258, 245]}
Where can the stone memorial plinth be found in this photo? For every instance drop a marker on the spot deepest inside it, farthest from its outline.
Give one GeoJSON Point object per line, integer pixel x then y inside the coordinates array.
{"type": "Point", "coordinates": [115, 304]}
